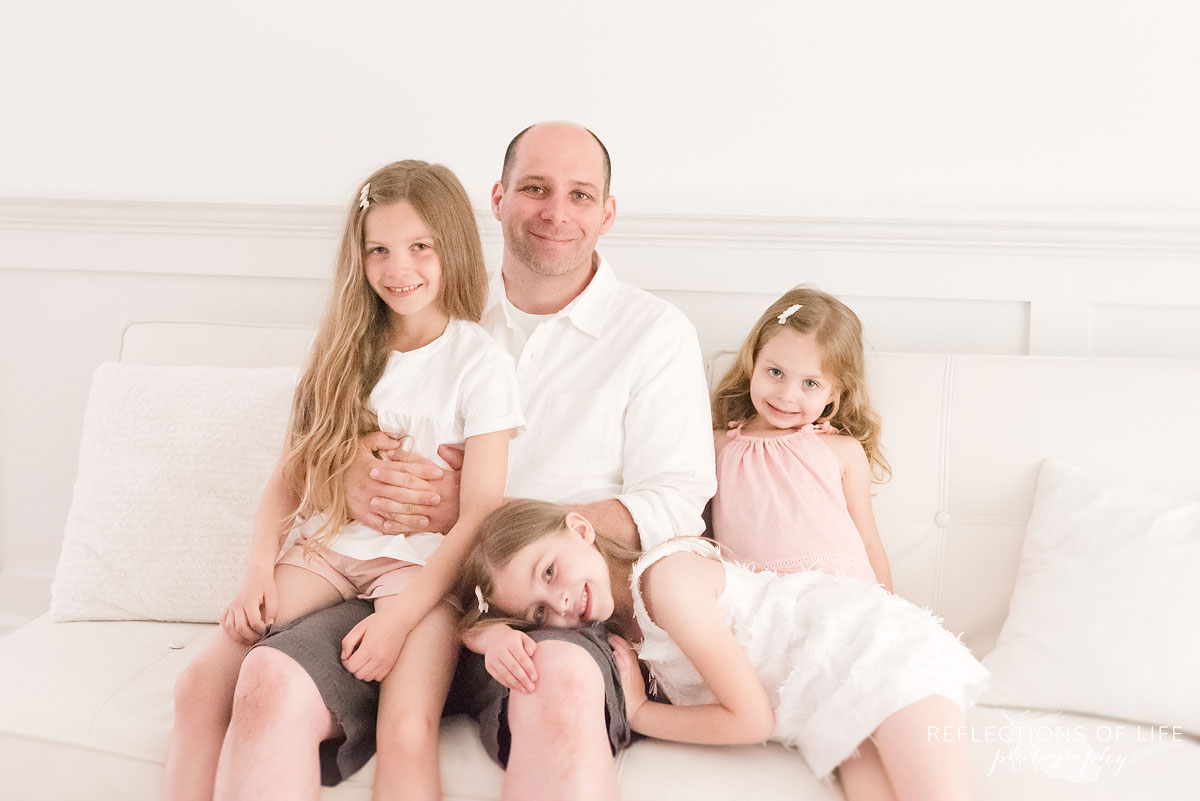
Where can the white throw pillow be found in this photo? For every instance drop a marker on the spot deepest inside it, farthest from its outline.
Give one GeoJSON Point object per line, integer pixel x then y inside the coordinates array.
{"type": "Point", "coordinates": [172, 462]}
{"type": "Point", "coordinates": [1103, 617]}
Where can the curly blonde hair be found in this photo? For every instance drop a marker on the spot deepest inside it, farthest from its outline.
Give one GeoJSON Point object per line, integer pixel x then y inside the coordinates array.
{"type": "Point", "coordinates": [838, 333]}
{"type": "Point", "coordinates": [329, 408]}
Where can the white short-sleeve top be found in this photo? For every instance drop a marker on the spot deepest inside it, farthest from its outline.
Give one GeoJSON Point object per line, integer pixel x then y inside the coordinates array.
{"type": "Point", "coordinates": [459, 385]}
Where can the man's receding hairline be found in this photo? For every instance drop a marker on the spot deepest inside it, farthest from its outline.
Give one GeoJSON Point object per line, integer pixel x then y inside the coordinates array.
{"type": "Point", "coordinates": [510, 153]}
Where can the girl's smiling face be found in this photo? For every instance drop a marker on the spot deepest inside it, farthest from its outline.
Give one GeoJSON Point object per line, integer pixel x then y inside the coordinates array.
{"type": "Point", "coordinates": [788, 387]}
{"type": "Point", "coordinates": [560, 580]}
{"type": "Point", "coordinates": [402, 263]}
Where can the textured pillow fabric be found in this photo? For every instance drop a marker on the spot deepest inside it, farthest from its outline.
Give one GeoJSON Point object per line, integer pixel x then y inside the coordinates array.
{"type": "Point", "coordinates": [1103, 617]}
{"type": "Point", "coordinates": [172, 463]}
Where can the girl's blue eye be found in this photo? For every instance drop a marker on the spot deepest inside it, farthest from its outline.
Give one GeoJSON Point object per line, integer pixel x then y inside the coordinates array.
{"type": "Point", "coordinates": [810, 384]}
{"type": "Point", "coordinates": [548, 573]}
{"type": "Point", "coordinates": [774, 372]}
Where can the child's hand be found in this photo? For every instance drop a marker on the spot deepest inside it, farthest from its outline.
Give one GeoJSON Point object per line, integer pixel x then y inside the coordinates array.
{"type": "Point", "coordinates": [251, 610]}
{"type": "Point", "coordinates": [371, 648]}
{"type": "Point", "coordinates": [506, 653]}
{"type": "Point", "coordinates": [631, 674]}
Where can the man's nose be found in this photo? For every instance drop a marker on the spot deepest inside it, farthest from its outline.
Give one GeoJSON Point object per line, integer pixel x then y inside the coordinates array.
{"type": "Point", "coordinates": [554, 209]}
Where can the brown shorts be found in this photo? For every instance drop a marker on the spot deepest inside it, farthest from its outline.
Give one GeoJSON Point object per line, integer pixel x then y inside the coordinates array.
{"type": "Point", "coordinates": [315, 642]}
{"type": "Point", "coordinates": [353, 578]}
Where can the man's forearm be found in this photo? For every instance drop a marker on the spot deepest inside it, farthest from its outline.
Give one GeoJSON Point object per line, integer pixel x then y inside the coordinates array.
{"type": "Point", "coordinates": [612, 518]}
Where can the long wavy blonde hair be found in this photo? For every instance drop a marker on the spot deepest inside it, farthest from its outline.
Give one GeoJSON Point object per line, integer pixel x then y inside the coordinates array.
{"type": "Point", "coordinates": [329, 409]}
{"type": "Point", "coordinates": [839, 335]}
{"type": "Point", "coordinates": [503, 534]}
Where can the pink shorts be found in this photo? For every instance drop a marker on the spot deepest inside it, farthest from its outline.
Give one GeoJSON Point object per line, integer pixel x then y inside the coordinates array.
{"type": "Point", "coordinates": [353, 578]}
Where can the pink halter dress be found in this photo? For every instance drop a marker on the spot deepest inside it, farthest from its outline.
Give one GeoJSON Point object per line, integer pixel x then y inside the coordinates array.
{"type": "Point", "coordinates": [780, 506]}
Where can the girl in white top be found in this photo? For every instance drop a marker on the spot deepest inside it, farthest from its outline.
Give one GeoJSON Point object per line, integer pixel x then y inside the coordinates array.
{"type": "Point", "coordinates": [849, 674]}
{"type": "Point", "coordinates": [398, 350]}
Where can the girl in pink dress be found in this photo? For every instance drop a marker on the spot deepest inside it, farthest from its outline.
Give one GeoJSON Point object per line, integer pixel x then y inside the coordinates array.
{"type": "Point", "coordinates": [798, 445]}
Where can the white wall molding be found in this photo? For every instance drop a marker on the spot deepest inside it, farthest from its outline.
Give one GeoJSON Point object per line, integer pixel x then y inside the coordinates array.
{"type": "Point", "coordinates": [261, 240]}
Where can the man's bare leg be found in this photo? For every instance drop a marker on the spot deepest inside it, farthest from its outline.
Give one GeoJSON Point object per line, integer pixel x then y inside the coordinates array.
{"type": "Point", "coordinates": [205, 689]}
{"type": "Point", "coordinates": [560, 749]}
{"type": "Point", "coordinates": [278, 723]}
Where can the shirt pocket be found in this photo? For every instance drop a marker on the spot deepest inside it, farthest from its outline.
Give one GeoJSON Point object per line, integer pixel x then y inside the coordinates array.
{"type": "Point", "coordinates": [581, 435]}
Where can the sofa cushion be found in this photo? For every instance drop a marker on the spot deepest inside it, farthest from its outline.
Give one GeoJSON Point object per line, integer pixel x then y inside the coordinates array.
{"type": "Point", "coordinates": [172, 463]}
{"type": "Point", "coordinates": [100, 733]}
{"type": "Point", "coordinates": [1106, 597]}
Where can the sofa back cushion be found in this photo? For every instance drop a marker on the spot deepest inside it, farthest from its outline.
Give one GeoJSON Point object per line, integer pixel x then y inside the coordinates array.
{"type": "Point", "coordinates": [965, 435]}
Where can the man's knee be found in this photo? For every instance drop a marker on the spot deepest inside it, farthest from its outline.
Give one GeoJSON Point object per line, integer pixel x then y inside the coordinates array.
{"type": "Point", "coordinates": [273, 689]}
{"type": "Point", "coordinates": [568, 677]}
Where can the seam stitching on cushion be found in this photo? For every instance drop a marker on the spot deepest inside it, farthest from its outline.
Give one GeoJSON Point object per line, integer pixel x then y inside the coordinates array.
{"type": "Point", "coordinates": [112, 693]}
{"type": "Point", "coordinates": [943, 493]}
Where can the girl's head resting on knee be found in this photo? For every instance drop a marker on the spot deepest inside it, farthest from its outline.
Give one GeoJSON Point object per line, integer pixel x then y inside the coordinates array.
{"type": "Point", "coordinates": [540, 563]}
{"type": "Point", "coordinates": [802, 363]}
{"type": "Point", "coordinates": [410, 256]}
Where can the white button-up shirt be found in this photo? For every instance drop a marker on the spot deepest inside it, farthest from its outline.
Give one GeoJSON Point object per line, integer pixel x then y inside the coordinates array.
{"type": "Point", "coordinates": [615, 404]}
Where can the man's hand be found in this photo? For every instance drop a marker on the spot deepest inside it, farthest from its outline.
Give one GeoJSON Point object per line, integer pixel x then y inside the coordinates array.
{"type": "Point", "coordinates": [397, 492]}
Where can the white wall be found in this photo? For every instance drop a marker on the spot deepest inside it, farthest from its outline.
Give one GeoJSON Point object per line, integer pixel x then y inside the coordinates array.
{"type": "Point", "coordinates": [780, 108]}
{"type": "Point", "coordinates": [1007, 177]}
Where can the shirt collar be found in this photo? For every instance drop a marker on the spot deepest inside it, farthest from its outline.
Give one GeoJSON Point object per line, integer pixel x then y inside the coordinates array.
{"type": "Point", "coordinates": [587, 311]}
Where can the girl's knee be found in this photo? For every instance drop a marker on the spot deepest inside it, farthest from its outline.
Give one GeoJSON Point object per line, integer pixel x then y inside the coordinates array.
{"type": "Point", "coordinates": [194, 695]}
{"type": "Point", "coordinates": [204, 688]}
{"type": "Point", "coordinates": [407, 732]}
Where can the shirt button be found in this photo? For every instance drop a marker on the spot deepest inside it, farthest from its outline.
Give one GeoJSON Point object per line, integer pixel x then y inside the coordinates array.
{"type": "Point", "coordinates": [942, 519]}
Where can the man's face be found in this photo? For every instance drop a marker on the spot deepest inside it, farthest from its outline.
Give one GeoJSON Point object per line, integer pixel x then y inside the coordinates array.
{"type": "Point", "coordinates": [553, 208]}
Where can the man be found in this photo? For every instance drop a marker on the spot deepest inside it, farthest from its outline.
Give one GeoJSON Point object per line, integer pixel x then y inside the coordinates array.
{"type": "Point", "coordinates": [617, 419]}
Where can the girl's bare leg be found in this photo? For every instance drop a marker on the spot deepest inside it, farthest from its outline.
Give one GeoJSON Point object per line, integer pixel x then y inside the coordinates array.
{"type": "Point", "coordinates": [204, 691]}
{"type": "Point", "coordinates": [921, 766]}
{"type": "Point", "coordinates": [864, 778]}
{"type": "Point", "coordinates": [411, 698]}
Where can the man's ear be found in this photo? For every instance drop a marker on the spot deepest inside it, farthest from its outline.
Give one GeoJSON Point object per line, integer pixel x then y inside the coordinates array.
{"type": "Point", "coordinates": [578, 524]}
{"type": "Point", "coordinates": [610, 214]}
{"type": "Point", "coordinates": [497, 196]}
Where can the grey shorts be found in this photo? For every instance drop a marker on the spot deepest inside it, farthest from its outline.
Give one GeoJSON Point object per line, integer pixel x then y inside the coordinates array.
{"type": "Point", "coordinates": [315, 642]}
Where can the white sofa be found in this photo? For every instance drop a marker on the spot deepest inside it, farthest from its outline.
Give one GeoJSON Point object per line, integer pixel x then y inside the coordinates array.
{"type": "Point", "coordinates": [85, 707]}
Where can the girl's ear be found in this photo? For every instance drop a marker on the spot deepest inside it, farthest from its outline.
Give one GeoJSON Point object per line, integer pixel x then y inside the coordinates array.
{"type": "Point", "coordinates": [578, 524]}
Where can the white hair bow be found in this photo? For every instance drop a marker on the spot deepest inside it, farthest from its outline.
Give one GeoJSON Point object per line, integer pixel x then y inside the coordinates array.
{"type": "Point", "coordinates": [790, 311]}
